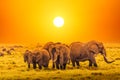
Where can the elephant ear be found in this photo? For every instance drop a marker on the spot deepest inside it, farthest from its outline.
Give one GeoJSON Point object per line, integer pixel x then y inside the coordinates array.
{"type": "Point", "coordinates": [93, 48]}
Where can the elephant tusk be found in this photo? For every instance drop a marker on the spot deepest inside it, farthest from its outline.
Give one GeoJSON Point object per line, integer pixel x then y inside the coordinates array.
{"type": "Point", "coordinates": [54, 60]}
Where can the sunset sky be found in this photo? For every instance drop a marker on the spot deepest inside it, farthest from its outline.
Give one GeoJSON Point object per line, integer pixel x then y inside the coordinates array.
{"type": "Point", "coordinates": [31, 21]}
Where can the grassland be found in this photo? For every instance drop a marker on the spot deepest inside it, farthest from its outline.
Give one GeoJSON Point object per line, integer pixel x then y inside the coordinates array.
{"type": "Point", "coordinates": [12, 67]}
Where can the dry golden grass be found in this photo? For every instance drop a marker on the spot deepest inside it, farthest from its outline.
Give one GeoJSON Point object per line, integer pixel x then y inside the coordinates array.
{"type": "Point", "coordinates": [13, 67]}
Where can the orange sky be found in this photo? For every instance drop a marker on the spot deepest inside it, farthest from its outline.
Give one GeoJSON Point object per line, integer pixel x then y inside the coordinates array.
{"type": "Point", "coordinates": [29, 21]}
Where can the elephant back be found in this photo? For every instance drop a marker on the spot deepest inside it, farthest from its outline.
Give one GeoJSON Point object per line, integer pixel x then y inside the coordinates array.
{"type": "Point", "coordinates": [45, 53]}
{"type": "Point", "coordinates": [47, 45]}
{"type": "Point", "coordinates": [75, 48]}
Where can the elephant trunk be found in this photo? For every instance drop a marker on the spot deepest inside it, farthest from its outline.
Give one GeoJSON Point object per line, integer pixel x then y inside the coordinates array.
{"type": "Point", "coordinates": [104, 55]}
{"type": "Point", "coordinates": [106, 60]}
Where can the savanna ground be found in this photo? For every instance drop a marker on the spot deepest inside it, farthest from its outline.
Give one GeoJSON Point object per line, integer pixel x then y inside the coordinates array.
{"type": "Point", "coordinates": [13, 67]}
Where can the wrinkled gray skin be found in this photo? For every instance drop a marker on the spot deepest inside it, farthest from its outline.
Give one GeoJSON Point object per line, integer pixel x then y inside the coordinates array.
{"type": "Point", "coordinates": [60, 56]}
{"type": "Point", "coordinates": [40, 57]}
{"type": "Point", "coordinates": [87, 51]}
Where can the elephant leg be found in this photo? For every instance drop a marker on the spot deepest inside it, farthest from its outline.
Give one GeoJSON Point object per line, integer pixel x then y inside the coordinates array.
{"type": "Point", "coordinates": [34, 65]}
{"type": "Point", "coordinates": [61, 67]}
{"type": "Point", "coordinates": [28, 65]}
{"type": "Point", "coordinates": [77, 62]}
{"type": "Point", "coordinates": [90, 63]}
{"type": "Point", "coordinates": [53, 65]}
{"type": "Point", "coordinates": [40, 67]}
{"type": "Point", "coordinates": [40, 64]}
{"type": "Point", "coordinates": [57, 65]}
{"type": "Point", "coordinates": [61, 62]}
{"type": "Point", "coordinates": [94, 61]}
{"type": "Point", "coordinates": [95, 64]}
{"type": "Point", "coordinates": [73, 63]}
{"type": "Point", "coordinates": [64, 66]}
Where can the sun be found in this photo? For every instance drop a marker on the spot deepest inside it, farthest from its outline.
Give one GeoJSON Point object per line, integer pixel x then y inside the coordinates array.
{"type": "Point", "coordinates": [58, 21]}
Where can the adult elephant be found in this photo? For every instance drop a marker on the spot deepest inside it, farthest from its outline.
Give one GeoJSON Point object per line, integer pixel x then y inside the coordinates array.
{"type": "Point", "coordinates": [87, 51]}
{"type": "Point", "coordinates": [60, 55]}
{"type": "Point", "coordinates": [50, 47]}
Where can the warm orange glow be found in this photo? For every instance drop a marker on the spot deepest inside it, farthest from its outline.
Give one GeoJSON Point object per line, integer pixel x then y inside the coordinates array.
{"type": "Point", "coordinates": [28, 21]}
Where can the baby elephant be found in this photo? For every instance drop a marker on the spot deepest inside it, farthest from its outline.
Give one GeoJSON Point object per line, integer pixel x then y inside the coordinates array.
{"type": "Point", "coordinates": [28, 57]}
{"type": "Point", "coordinates": [40, 57]}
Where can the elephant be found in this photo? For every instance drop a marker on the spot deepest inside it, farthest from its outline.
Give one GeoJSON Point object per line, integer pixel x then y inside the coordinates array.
{"type": "Point", "coordinates": [52, 47]}
{"type": "Point", "coordinates": [60, 55]}
{"type": "Point", "coordinates": [40, 57]}
{"type": "Point", "coordinates": [29, 58]}
{"type": "Point", "coordinates": [87, 51]}
{"type": "Point", "coordinates": [49, 46]}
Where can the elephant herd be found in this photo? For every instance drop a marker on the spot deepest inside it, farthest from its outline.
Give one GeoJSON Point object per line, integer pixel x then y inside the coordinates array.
{"type": "Point", "coordinates": [62, 54]}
